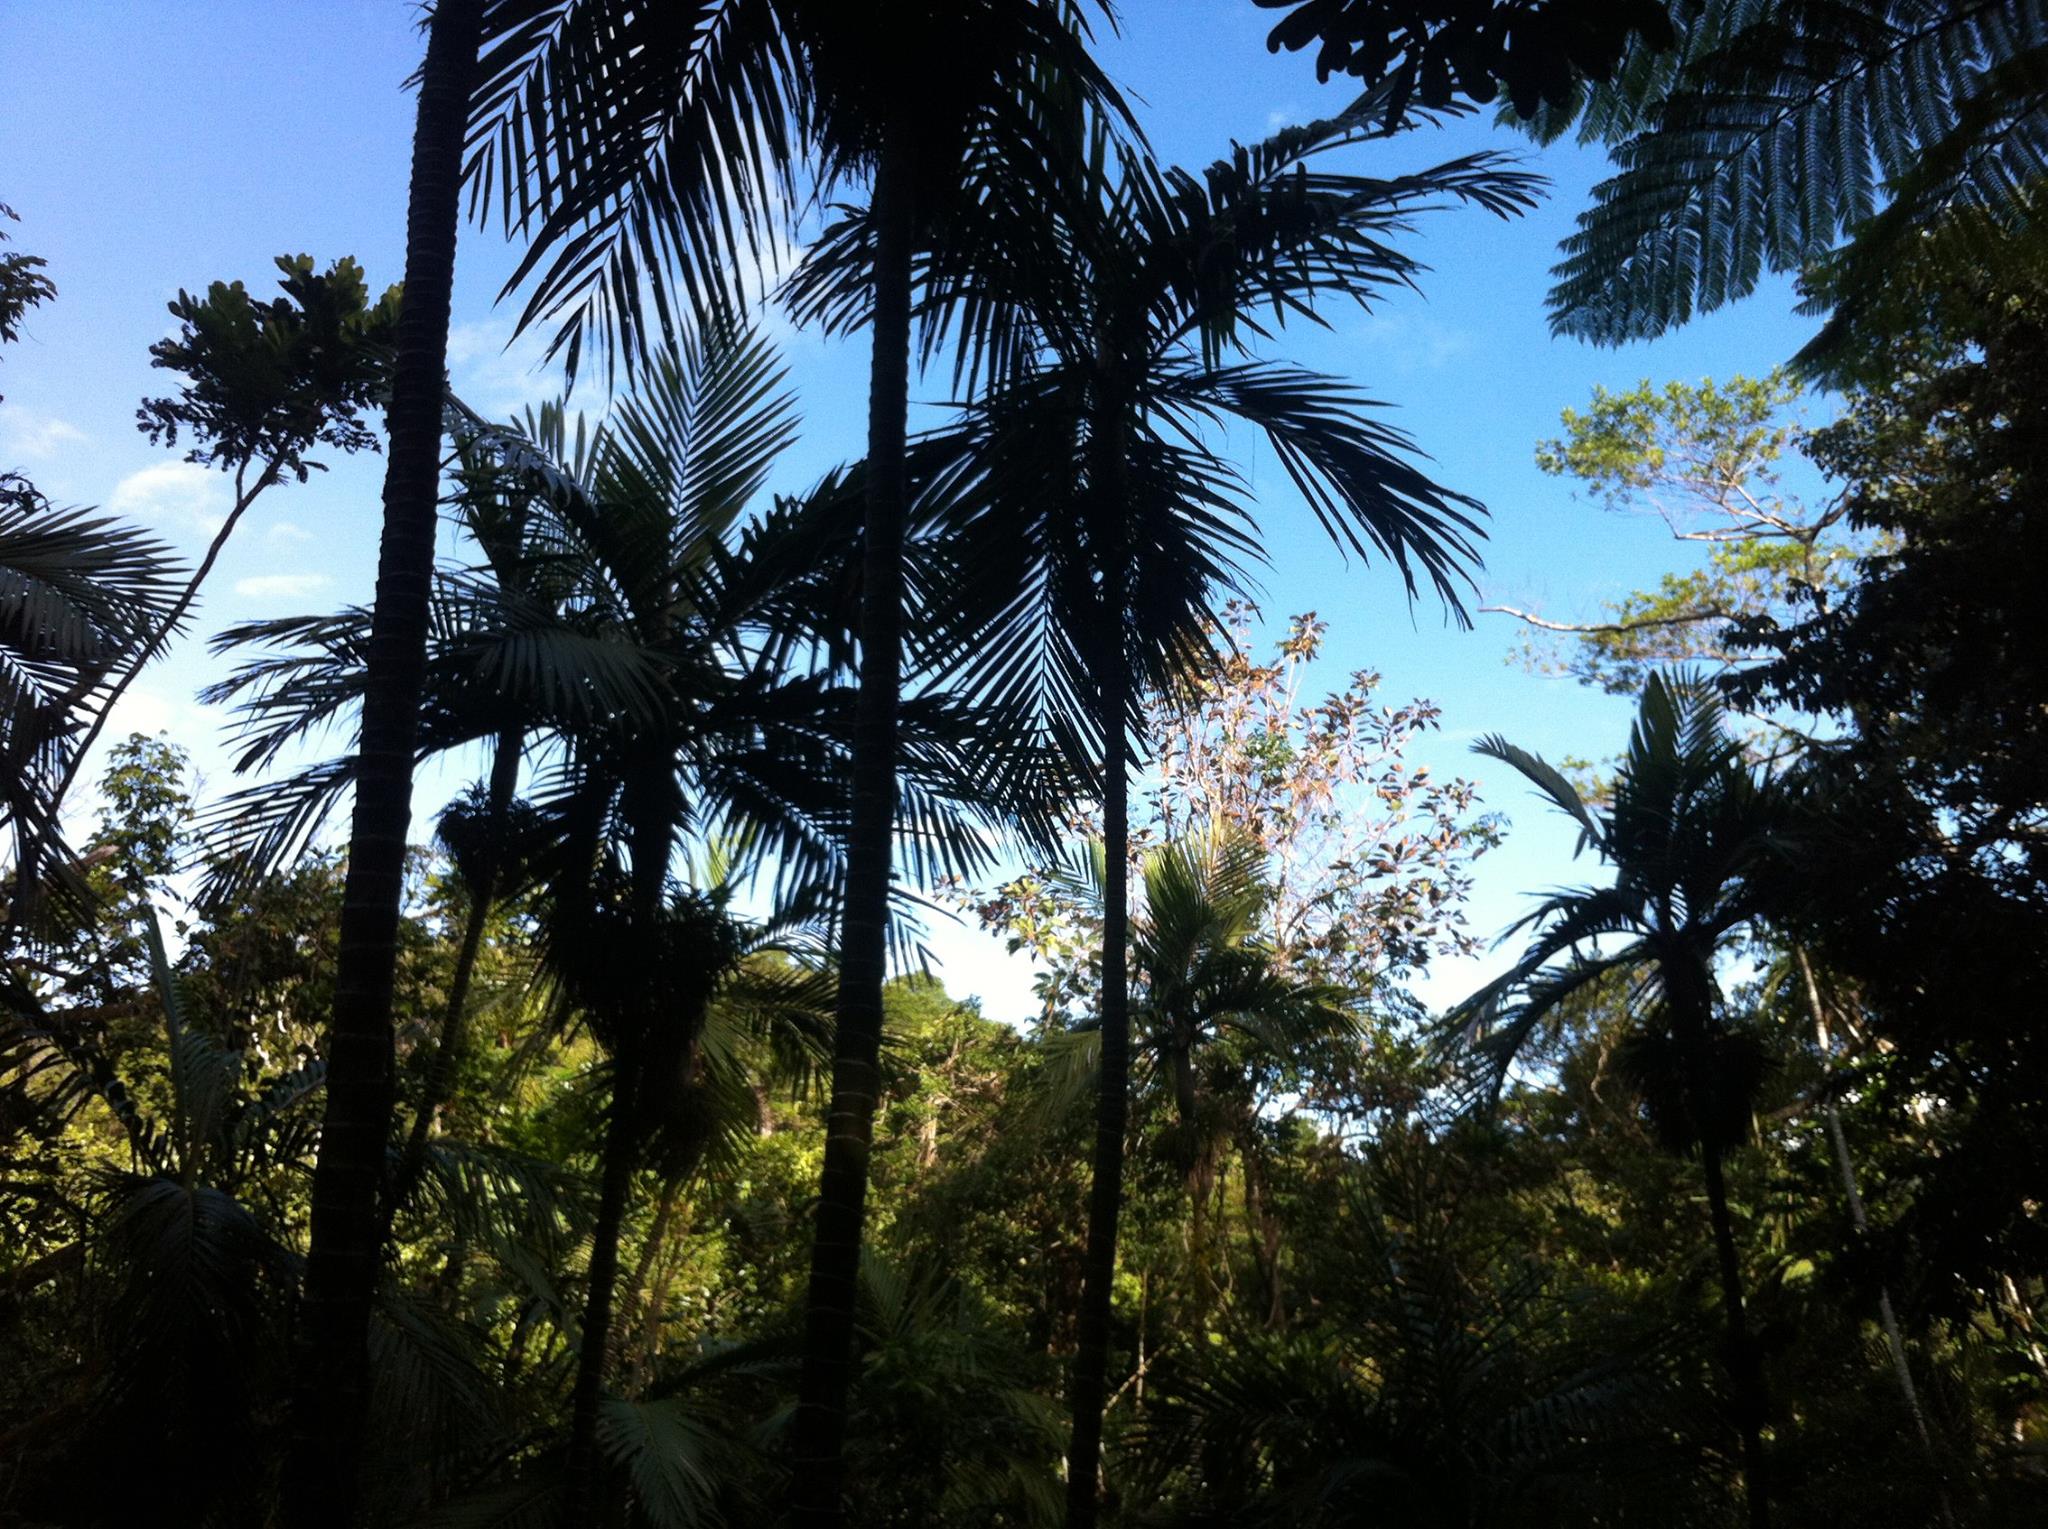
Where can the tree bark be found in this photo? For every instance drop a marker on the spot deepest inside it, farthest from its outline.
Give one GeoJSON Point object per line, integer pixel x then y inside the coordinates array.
{"type": "Point", "coordinates": [650, 1283]}
{"type": "Point", "coordinates": [331, 1377]}
{"type": "Point", "coordinates": [1742, 1357]}
{"type": "Point", "coordinates": [1112, 1103]}
{"type": "Point", "coordinates": [829, 1317]}
{"type": "Point", "coordinates": [440, 1079]}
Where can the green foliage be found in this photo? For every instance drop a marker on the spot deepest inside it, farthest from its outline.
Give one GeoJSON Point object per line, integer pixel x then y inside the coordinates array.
{"type": "Point", "coordinates": [80, 597]}
{"type": "Point", "coordinates": [23, 286]}
{"type": "Point", "coordinates": [1705, 459]}
{"type": "Point", "coordinates": [1751, 1217]}
{"type": "Point", "coordinates": [267, 382]}
{"type": "Point", "coordinates": [1776, 130]}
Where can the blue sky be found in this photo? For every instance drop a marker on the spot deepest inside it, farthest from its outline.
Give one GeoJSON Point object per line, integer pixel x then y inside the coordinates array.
{"type": "Point", "coordinates": [151, 146]}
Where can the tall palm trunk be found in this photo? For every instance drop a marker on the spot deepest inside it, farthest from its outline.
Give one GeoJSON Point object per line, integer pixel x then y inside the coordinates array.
{"type": "Point", "coordinates": [1689, 989]}
{"type": "Point", "coordinates": [1742, 1356]}
{"type": "Point", "coordinates": [331, 1381]}
{"type": "Point", "coordinates": [864, 909]}
{"type": "Point", "coordinates": [1090, 1387]}
{"type": "Point", "coordinates": [483, 893]}
{"type": "Point", "coordinates": [653, 808]}
{"type": "Point", "coordinates": [621, 1150]}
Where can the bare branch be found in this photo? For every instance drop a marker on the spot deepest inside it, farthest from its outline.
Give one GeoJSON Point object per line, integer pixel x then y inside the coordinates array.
{"type": "Point", "coordinates": [1647, 623]}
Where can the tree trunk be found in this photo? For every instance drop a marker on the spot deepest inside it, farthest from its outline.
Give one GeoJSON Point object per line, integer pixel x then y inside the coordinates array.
{"type": "Point", "coordinates": [1182, 1059]}
{"type": "Point", "coordinates": [1888, 1321]}
{"type": "Point", "coordinates": [650, 1284]}
{"type": "Point", "coordinates": [621, 1147]}
{"type": "Point", "coordinates": [440, 1080]}
{"type": "Point", "coordinates": [1112, 1104]}
{"type": "Point", "coordinates": [331, 1381]}
{"type": "Point", "coordinates": [153, 645]}
{"type": "Point", "coordinates": [652, 809]}
{"type": "Point", "coordinates": [1742, 1358]}
{"type": "Point", "coordinates": [870, 845]}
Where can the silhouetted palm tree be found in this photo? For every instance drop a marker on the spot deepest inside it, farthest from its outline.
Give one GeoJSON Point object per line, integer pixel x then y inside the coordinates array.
{"type": "Point", "coordinates": [1688, 829]}
{"type": "Point", "coordinates": [647, 651]}
{"type": "Point", "coordinates": [1097, 514]}
{"type": "Point", "coordinates": [330, 1394]}
{"type": "Point", "coordinates": [80, 597]}
{"type": "Point", "coordinates": [636, 144]}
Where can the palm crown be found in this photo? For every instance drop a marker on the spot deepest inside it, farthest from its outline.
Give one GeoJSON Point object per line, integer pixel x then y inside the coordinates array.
{"type": "Point", "coordinates": [1689, 828]}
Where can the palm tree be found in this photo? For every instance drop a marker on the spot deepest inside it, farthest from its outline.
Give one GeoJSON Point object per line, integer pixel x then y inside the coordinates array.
{"type": "Point", "coordinates": [80, 596]}
{"type": "Point", "coordinates": [1689, 830]}
{"type": "Point", "coordinates": [632, 145]}
{"type": "Point", "coordinates": [330, 1394]}
{"type": "Point", "coordinates": [647, 651]}
{"type": "Point", "coordinates": [193, 1277]}
{"type": "Point", "coordinates": [1216, 999]}
{"type": "Point", "coordinates": [1209, 995]}
{"type": "Point", "coordinates": [1097, 517]}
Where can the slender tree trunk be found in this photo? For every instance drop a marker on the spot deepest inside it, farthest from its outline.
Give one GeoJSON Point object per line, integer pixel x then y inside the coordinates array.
{"type": "Point", "coordinates": [653, 809]}
{"type": "Point", "coordinates": [621, 1148]}
{"type": "Point", "coordinates": [1112, 1103]}
{"type": "Point", "coordinates": [1742, 1357]}
{"type": "Point", "coordinates": [154, 643]}
{"type": "Point", "coordinates": [1888, 1321]}
{"type": "Point", "coordinates": [1182, 1059]}
{"type": "Point", "coordinates": [829, 1316]}
{"type": "Point", "coordinates": [448, 1049]}
{"type": "Point", "coordinates": [1262, 1228]}
{"type": "Point", "coordinates": [331, 1380]}
{"type": "Point", "coordinates": [651, 1281]}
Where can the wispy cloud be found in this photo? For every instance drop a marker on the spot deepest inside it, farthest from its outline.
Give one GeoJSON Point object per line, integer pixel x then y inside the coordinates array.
{"type": "Point", "coordinates": [496, 374]}
{"type": "Point", "coordinates": [287, 534]}
{"type": "Point", "coordinates": [280, 586]}
{"type": "Point", "coordinates": [181, 491]}
{"type": "Point", "coordinates": [1414, 342]}
{"type": "Point", "coordinates": [28, 436]}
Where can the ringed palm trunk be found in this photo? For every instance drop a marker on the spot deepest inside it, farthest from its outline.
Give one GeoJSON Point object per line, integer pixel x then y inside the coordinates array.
{"type": "Point", "coordinates": [830, 1306]}
{"type": "Point", "coordinates": [331, 1379]}
{"type": "Point", "coordinates": [1090, 1387]}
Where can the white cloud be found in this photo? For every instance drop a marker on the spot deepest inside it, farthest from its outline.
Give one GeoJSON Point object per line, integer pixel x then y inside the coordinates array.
{"type": "Point", "coordinates": [1281, 116]}
{"type": "Point", "coordinates": [182, 491]}
{"type": "Point", "coordinates": [280, 586]}
{"type": "Point", "coordinates": [287, 534]}
{"type": "Point", "coordinates": [496, 374]}
{"type": "Point", "coordinates": [1414, 341]}
{"type": "Point", "coordinates": [28, 436]}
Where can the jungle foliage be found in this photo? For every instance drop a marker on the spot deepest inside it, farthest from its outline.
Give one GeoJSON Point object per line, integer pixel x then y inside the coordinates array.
{"type": "Point", "coordinates": [596, 1149]}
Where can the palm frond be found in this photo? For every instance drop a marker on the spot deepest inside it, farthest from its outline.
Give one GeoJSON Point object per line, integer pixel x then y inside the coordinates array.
{"type": "Point", "coordinates": [627, 146]}
{"type": "Point", "coordinates": [1355, 475]}
{"type": "Point", "coordinates": [1548, 779]}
